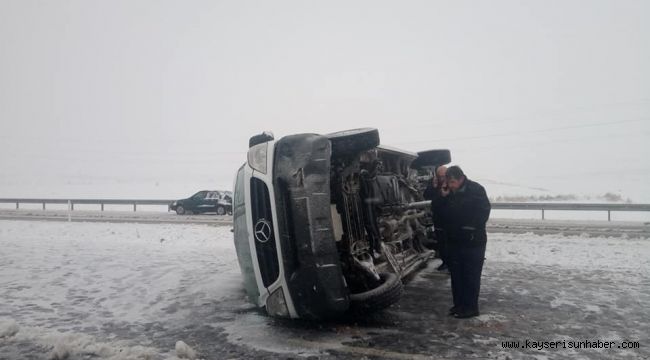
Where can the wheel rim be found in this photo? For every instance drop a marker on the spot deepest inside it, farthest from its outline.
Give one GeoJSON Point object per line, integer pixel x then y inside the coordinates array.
{"type": "Point", "coordinates": [180, 210]}
{"type": "Point", "coordinates": [220, 211]}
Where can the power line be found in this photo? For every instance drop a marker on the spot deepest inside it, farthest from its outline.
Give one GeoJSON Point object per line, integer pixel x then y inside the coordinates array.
{"type": "Point", "coordinates": [540, 113]}
{"type": "Point", "coordinates": [561, 141]}
{"type": "Point", "coordinates": [524, 132]}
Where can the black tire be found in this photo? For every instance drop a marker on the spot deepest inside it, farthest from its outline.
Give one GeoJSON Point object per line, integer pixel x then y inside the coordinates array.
{"type": "Point", "coordinates": [381, 297]}
{"type": "Point", "coordinates": [221, 210]}
{"type": "Point", "coordinates": [180, 210]}
{"type": "Point", "coordinates": [259, 139]}
{"type": "Point", "coordinates": [432, 158]}
{"type": "Point", "coordinates": [351, 142]}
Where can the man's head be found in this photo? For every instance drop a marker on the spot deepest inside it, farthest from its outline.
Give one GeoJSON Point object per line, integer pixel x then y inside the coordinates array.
{"type": "Point", "coordinates": [441, 171]}
{"type": "Point", "coordinates": [455, 178]}
{"type": "Point", "coordinates": [440, 179]}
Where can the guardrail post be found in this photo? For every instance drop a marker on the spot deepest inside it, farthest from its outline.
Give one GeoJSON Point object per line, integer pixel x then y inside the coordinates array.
{"type": "Point", "coordinates": [43, 206]}
{"type": "Point", "coordinates": [17, 207]}
{"type": "Point", "coordinates": [542, 214]}
{"type": "Point", "coordinates": [133, 207]}
{"type": "Point", "coordinates": [102, 206]}
{"type": "Point", "coordinates": [609, 215]}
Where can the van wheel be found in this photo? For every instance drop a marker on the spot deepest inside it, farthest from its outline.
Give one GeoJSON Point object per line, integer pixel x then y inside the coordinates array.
{"type": "Point", "coordinates": [381, 297]}
{"type": "Point", "coordinates": [180, 210]}
{"type": "Point", "coordinates": [351, 142]}
{"type": "Point", "coordinates": [221, 210]}
{"type": "Point", "coordinates": [431, 158]}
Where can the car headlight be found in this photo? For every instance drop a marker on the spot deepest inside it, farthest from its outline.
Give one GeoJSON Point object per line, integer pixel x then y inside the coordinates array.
{"type": "Point", "coordinates": [257, 157]}
{"type": "Point", "coordinates": [276, 305]}
{"type": "Point", "coordinates": [174, 203]}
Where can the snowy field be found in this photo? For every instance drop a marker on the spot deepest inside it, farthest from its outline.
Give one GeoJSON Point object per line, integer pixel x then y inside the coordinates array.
{"type": "Point", "coordinates": [169, 291]}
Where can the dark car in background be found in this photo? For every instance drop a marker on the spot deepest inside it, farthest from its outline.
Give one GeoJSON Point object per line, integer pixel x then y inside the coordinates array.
{"type": "Point", "coordinates": [213, 201]}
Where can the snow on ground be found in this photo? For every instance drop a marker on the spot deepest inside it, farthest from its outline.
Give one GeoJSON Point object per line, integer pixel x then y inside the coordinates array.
{"type": "Point", "coordinates": [170, 291]}
{"type": "Point", "coordinates": [75, 279]}
{"type": "Point", "coordinates": [571, 252]}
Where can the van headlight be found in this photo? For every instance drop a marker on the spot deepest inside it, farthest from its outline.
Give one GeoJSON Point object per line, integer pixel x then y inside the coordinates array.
{"type": "Point", "coordinates": [276, 305]}
{"type": "Point", "coordinates": [257, 157]}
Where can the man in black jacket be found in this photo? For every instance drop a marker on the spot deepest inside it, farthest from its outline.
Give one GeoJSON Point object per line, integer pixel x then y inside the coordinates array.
{"type": "Point", "coordinates": [433, 192]}
{"type": "Point", "coordinates": [465, 209]}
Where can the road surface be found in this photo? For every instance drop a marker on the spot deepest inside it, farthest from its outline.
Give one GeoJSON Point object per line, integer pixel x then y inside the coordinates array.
{"type": "Point", "coordinates": [136, 291]}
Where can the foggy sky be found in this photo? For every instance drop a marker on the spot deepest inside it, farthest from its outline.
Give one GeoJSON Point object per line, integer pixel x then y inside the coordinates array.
{"type": "Point", "coordinates": [158, 98]}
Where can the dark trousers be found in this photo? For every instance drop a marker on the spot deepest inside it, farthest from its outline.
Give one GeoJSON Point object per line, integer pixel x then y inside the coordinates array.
{"type": "Point", "coordinates": [466, 266]}
{"type": "Point", "coordinates": [442, 245]}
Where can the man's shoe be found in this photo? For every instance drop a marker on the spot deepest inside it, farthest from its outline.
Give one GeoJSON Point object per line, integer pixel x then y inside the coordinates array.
{"type": "Point", "coordinates": [466, 314]}
{"type": "Point", "coordinates": [453, 311]}
{"type": "Point", "coordinates": [443, 267]}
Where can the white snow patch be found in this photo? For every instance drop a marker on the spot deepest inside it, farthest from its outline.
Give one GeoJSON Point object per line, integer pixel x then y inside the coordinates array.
{"type": "Point", "coordinates": [184, 351]}
{"type": "Point", "coordinates": [486, 340]}
{"type": "Point", "coordinates": [557, 302]}
{"type": "Point", "coordinates": [61, 278]}
{"type": "Point", "coordinates": [253, 330]}
{"type": "Point", "coordinates": [491, 318]}
{"type": "Point", "coordinates": [71, 345]}
{"type": "Point", "coordinates": [117, 271]}
{"type": "Point", "coordinates": [593, 308]}
{"type": "Point", "coordinates": [8, 328]}
{"type": "Point", "coordinates": [570, 252]}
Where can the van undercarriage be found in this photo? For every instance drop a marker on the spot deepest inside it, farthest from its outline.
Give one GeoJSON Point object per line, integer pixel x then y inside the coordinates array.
{"type": "Point", "coordinates": [350, 221]}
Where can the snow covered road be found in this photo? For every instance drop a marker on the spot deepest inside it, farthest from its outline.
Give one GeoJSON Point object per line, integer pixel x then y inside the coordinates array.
{"type": "Point", "coordinates": [143, 291]}
{"type": "Point", "coordinates": [61, 282]}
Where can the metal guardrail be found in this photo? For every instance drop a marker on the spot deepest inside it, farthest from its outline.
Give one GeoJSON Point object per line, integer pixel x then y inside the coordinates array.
{"type": "Point", "coordinates": [500, 205]}
{"type": "Point", "coordinates": [572, 207]}
{"type": "Point", "coordinates": [71, 202]}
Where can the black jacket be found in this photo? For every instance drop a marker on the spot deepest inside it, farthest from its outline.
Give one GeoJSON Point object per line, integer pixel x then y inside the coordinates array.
{"type": "Point", "coordinates": [433, 194]}
{"type": "Point", "coordinates": [463, 214]}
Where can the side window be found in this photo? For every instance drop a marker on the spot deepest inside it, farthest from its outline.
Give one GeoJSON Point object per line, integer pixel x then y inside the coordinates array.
{"type": "Point", "coordinates": [200, 195]}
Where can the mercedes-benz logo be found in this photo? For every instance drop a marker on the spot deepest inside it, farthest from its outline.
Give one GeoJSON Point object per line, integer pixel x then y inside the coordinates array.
{"type": "Point", "coordinates": [263, 230]}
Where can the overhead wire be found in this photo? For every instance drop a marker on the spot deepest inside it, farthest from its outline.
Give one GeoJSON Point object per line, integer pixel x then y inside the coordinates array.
{"type": "Point", "coordinates": [514, 133]}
